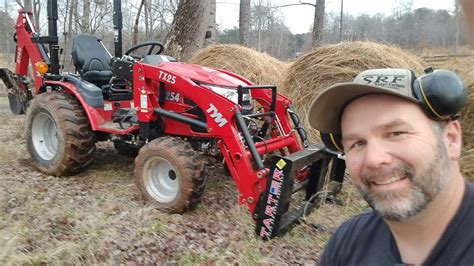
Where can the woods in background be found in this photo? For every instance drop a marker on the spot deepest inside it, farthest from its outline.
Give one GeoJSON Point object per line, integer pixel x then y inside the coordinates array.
{"type": "Point", "coordinates": [186, 26]}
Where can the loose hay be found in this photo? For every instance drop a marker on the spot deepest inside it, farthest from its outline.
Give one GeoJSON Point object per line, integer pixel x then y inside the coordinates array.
{"type": "Point", "coordinates": [337, 63]}
{"type": "Point", "coordinates": [260, 68]}
{"type": "Point", "coordinates": [464, 67]}
{"type": "Point", "coordinates": [467, 124]}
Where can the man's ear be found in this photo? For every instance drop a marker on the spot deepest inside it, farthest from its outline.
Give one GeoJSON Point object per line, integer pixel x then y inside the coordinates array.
{"type": "Point", "coordinates": [453, 139]}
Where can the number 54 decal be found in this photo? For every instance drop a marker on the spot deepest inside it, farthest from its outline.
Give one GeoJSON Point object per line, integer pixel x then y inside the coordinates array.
{"type": "Point", "coordinates": [172, 96]}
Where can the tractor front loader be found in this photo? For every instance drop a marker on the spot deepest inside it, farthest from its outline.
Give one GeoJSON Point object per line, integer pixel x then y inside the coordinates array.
{"type": "Point", "coordinates": [171, 116]}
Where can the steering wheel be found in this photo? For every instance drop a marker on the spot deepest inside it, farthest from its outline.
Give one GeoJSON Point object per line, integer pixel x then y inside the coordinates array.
{"type": "Point", "coordinates": [152, 45]}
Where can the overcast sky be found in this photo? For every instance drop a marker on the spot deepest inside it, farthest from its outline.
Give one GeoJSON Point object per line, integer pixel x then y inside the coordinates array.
{"type": "Point", "coordinates": [300, 18]}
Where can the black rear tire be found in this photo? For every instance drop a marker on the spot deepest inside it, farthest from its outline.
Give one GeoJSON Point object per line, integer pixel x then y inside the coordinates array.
{"type": "Point", "coordinates": [58, 134]}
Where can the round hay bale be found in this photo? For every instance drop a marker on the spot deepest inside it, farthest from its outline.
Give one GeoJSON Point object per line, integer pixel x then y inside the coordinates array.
{"type": "Point", "coordinates": [464, 67]}
{"type": "Point", "coordinates": [328, 65]}
{"type": "Point", "coordinates": [259, 68]}
{"type": "Point", "coordinates": [467, 125]}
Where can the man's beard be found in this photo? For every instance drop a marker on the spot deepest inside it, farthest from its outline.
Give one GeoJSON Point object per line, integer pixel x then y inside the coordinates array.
{"type": "Point", "coordinates": [404, 204]}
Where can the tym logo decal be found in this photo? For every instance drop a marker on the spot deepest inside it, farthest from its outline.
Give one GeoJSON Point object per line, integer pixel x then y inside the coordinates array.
{"type": "Point", "coordinates": [167, 77]}
{"type": "Point", "coordinates": [218, 117]}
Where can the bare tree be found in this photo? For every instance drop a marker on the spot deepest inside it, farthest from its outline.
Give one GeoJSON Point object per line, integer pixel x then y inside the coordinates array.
{"type": "Point", "coordinates": [158, 16]}
{"type": "Point", "coordinates": [264, 17]}
{"type": "Point", "coordinates": [7, 37]}
{"type": "Point", "coordinates": [36, 13]}
{"type": "Point", "coordinates": [6, 7]}
{"type": "Point", "coordinates": [210, 37]}
{"type": "Point", "coordinates": [146, 12]}
{"type": "Point", "coordinates": [244, 22]}
{"type": "Point", "coordinates": [35, 7]}
{"type": "Point", "coordinates": [7, 46]}
{"type": "Point", "coordinates": [26, 5]}
{"type": "Point", "coordinates": [185, 38]}
{"type": "Point", "coordinates": [76, 16]}
{"type": "Point", "coordinates": [86, 12]}
{"type": "Point", "coordinates": [137, 20]}
{"type": "Point", "coordinates": [318, 24]}
{"type": "Point", "coordinates": [95, 15]}
{"type": "Point", "coordinates": [468, 10]}
{"type": "Point", "coordinates": [67, 29]}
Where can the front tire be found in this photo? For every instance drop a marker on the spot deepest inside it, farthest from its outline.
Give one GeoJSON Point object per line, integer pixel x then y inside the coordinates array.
{"type": "Point", "coordinates": [169, 173]}
{"type": "Point", "coordinates": [58, 134]}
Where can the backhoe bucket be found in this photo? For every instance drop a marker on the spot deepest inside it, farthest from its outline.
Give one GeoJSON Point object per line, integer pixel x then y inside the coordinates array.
{"type": "Point", "coordinates": [16, 105]}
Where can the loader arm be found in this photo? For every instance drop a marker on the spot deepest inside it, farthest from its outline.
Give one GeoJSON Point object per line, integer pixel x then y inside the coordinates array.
{"type": "Point", "coordinates": [161, 94]}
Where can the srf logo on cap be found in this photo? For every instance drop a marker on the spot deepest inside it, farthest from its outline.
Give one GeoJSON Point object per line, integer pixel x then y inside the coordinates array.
{"type": "Point", "coordinates": [391, 81]}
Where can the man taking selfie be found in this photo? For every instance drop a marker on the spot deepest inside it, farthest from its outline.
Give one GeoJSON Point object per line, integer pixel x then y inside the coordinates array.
{"type": "Point", "coordinates": [402, 144]}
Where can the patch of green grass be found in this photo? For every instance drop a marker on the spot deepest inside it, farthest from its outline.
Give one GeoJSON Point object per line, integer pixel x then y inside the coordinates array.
{"type": "Point", "coordinates": [64, 253]}
{"type": "Point", "coordinates": [157, 228]}
{"type": "Point", "coordinates": [22, 230]}
{"type": "Point", "coordinates": [250, 254]}
{"type": "Point", "coordinates": [193, 257]}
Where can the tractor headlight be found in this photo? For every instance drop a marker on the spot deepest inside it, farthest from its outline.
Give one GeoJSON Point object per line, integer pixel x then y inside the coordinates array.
{"type": "Point", "coordinates": [228, 92]}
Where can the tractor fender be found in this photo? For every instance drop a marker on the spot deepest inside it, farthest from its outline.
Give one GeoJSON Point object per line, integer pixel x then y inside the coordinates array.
{"type": "Point", "coordinates": [93, 115]}
{"type": "Point", "coordinates": [91, 94]}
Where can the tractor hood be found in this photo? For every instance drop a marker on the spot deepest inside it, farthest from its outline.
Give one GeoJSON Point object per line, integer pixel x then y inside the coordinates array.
{"type": "Point", "coordinates": [203, 74]}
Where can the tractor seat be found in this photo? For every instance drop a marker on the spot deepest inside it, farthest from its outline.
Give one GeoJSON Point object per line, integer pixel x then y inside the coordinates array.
{"type": "Point", "coordinates": [91, 59]}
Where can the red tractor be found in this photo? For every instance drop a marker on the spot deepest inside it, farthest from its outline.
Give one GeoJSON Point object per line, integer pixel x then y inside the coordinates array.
{"type": "Point", "coordinates": [170, 115]}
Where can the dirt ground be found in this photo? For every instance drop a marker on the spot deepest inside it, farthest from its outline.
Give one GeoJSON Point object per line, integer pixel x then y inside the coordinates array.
{"type": "Point", "coordinates": [98, 216]}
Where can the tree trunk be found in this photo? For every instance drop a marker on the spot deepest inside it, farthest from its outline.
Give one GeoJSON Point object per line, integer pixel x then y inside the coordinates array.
{"type": "Point", "coordinates": [76, 15]}
{"type": "Point", "coordinates": [27, 5]}
{"type": "Point", "coordinates": [36, 14]}
{"type": "Point", "coordinates": [340, 20]}
{"type": "Point", "coordinates": [468, 10]}
{"type": "Point", "coordinates": [210, 37]}
{"type": "Point", "coordinates": [244, 22]}
{"type": "Point", "coordinates": [318, 23]}
{"type": "Point", "coordinates": [86, 16]}
{"type": "Point", "coordinates": [147, 27]}
{"type": "Point", "coordinates": [137, 20]}
{"type": "Point", "coordinates": [7, 38]}
{"type": "Point", "coordinates": [188, 29]}
{"type": "Point", "coordinates": [68, 34]}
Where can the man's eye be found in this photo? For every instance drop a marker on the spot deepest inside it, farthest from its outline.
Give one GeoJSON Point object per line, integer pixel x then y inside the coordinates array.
{"type": "Point", "coordinates": [397, 133]}
{"type": "Point", "coordinates": [356, 144]}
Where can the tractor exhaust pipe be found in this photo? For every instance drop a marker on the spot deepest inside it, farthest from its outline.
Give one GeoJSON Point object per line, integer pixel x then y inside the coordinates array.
{"type": "Point", "coordinates": [53, 31]}
{"type": "Point", "coordinates": [118, 28]}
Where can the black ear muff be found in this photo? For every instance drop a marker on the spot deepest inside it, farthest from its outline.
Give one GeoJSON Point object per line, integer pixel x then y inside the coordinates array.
{"type": "Point", "coordinates": [332, 142]}
{"type": "Point", "coordinates": [441, 93]}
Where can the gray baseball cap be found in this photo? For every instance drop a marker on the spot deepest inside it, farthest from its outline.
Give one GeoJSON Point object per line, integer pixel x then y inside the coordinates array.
{"type": "Point", "coordinates": [326, 110]}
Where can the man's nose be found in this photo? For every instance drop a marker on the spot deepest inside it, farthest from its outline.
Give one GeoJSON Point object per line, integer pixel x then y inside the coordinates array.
{"type": "Point", "coordinates": [376, 155]}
